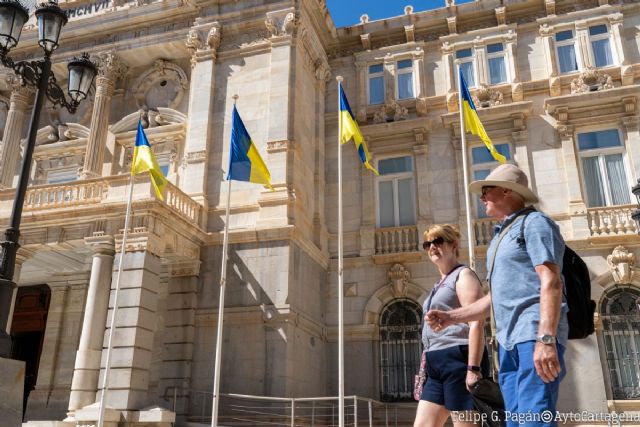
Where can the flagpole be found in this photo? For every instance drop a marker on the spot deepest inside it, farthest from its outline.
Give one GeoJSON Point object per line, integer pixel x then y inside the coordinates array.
{"type": "Point", "coordinates": [340, 280]}
{"type": "Point", "coordinates": [112, 327]}
{"type": "Point", "coordinates": [465, 175]}
{"type": "Point", "coordinates": [223, 282]}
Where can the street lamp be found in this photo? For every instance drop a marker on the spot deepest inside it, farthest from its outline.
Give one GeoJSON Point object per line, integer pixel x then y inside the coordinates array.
{"type": "Point", "coordinates": [636, 214]}
{"type": "Point", "coordinates": [50, 19]}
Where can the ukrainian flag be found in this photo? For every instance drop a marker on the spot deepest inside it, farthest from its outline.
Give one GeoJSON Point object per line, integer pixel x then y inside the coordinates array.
{"type": "Point", "coordinates": [472, 121]}
{"type": "Point", "coordinates": [348, 128]}
{"type": "Point", "coordinates": [245, 163]}
{"type": "Point", "coordinates": [144, 160]}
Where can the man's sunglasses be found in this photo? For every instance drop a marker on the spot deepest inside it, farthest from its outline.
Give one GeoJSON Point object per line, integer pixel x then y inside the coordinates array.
{"type": "Point", "coordinates": [437, 241]}
{"type": "Point", "coordinates": [486, 189]}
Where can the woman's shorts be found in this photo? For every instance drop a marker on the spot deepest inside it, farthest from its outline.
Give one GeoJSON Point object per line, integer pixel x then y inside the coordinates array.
{"type": "Point", "coordinates": [447, 374]}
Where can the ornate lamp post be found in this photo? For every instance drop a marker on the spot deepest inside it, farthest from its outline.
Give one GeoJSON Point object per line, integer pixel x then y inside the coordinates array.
{"type": "Point", "coordinates": [50, 19]}
{"type": "Point", "coordinates": [636, 214]}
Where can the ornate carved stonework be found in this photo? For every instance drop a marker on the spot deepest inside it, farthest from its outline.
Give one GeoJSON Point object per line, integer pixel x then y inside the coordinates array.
{"type": "Point", "coordinates": [184, 268]}
{"type": "Point", "coordinates": [398, 277]}
{"type": "Point", "coordinates": [399, 112]}
{"type": "Point", "coordinates": [280, 146]}
{"type": "Point", "coordinates": [451, 23]}
{"type": "Point", "coordinates": [501, 15]}
{"type": "Point", "coordinates": [163, 85]}
{"type": "Point", "coordinates": [281, 23]}
{"type": "Point", "coordinates": [365, 39]}
{"type": "Point", "coordinates": [621, 264]}
{"type": "Point", "coordinates": [194, 157]}
{"type": "Point", "coordinates": [486, 96]}
{"type": "Point", "coordinates": [203, 40]}
{"type": "Point", "coordinates": [421, 106]}
{"type": "Point", "coordinates": [380, 115]}
{"type": "Point", "coordinates": [591, 80]}
{"type": "Point", "coordinates": [550, 6]}
{"type": "Point", "coordinates": [111, 66]}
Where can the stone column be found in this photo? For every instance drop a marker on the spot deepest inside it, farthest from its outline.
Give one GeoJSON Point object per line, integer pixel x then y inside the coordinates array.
{"type": "Point", "coordinates": [203, 41]}
{"type": "Point", "coordinates": [87, 366]}
{"type": "Point", "coordinates": [110, 69]}
{"type": "Point", "coordinates": [577, 206]}
{"type": "Point", "coordinates": [21, 97]}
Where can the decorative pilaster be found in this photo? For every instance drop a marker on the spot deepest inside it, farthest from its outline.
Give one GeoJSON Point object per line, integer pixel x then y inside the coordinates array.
{"type": "Point", "coordinates": [481, 62]}
{"type": "Point", "coordinates": [582, 38]}
{"type": "Point", "coordinates": [626, 69]}
{"type": "Point", "coordinates": [20, 100]}
{"type": "Point", "coordinates": [577, 206]}
{"type": "Point", "coordinates": [447, 53]}
{"type": "Point", "coordinates": [389, 66]}
{"type": "Point", "coordinates": [368, 210]}
{"type": "Point", "coordinates": [632, 141]}
{"type": "Point", "coordinates": [423, 207]}
{"type": "Point", "coordinates": [361, 108]}
{"type": "Point", "coordinates": [546, 32]}
{"type": "Point", "coordinates": [203, 41]}
{"type": "Point", "coordinates": [84, 385]}
{"type": "Point", "coordinates": [135, 322]}
{"type": "Point", "coordinates": [111, 68]}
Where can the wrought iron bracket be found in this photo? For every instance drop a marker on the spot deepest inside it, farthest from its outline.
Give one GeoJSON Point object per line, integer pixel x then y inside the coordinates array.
{"type": "Point", "coordinates": [31, 73]}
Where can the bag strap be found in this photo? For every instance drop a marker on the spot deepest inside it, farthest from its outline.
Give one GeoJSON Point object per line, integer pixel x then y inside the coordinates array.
{"type": "Point", "coordinates": [503, 232]}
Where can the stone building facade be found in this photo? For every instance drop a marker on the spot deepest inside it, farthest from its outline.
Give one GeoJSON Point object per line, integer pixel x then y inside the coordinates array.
{"type": "Point", "coordinates": [555, 87]}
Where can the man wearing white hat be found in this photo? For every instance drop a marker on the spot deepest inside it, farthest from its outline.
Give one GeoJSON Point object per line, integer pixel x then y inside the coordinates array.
{"type": "Point", "coordinates": [526, 290]}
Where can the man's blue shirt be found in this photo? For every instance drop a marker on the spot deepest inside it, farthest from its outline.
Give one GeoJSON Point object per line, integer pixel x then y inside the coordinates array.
{"type": "Point", "coordinates": [515, 286]}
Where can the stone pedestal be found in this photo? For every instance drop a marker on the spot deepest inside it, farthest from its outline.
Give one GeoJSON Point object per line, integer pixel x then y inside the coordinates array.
{"type": "Point", "coordinates": [11, 391]}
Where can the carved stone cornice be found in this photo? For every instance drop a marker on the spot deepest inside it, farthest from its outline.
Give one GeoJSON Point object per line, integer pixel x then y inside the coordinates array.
{"type": "Point", "coordinates": [281, 23]}
{"type": "Point", "coordinates": [189, 268]}
{"type": "Point", "coordinates": [203, 40]}
{"type": "Point", "coordinates": [140, 239]}
{"type": "Point", "coordinates": [284, 145]}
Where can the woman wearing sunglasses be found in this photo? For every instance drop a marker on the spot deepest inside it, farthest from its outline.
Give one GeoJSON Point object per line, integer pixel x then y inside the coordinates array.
{"type": "Point", "coordinates": [455, 354]}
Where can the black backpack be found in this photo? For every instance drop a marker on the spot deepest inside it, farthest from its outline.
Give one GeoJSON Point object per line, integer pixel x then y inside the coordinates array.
{"type": "Point", "coordinates": [577, 290]}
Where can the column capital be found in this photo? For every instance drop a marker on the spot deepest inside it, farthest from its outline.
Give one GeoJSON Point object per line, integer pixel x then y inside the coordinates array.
{"type": "Point", "coordinates": [203, 41]}
{"type": "Point", "coordinates": [281, 23]}
{"type": "Point", "coordinates": [21, 93]}
{"type": "Point", "coordinates": [101, 244]}
{"type": "Point", "coordinates": [565, 131]}
{"type": "Point", "coordinates": [111, 67]}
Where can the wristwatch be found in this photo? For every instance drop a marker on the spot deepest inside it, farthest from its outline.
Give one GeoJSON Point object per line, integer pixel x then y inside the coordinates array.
{"type": "Point", "coordinates": [473, 368]}
{"type": "Point", "coordinates": [546, 339]}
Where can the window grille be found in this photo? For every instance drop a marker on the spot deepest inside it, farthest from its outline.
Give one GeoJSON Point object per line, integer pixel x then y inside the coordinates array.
{"type": "Point", "coordinates": [621, 336]}
{"type": "Point", "coordinates": [400, 349]}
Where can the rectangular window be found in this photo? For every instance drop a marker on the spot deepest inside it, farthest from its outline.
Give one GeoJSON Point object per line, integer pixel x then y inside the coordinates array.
{"type": "Point", "coordinates": [464, 58]}
{"type": "Point", "coordinates": [603, 169]}
{"type": "Point", "coordinates": [482, 164]}
{"type": "Point", "coordinates": [404, 72]}
{"type": "Point", "coordinates": [600, 45]}
{"type": "Point", "coordinates": [62, 175]}
{"type": "Point", "coordinates": [396, 200]}
{"type": "Point", "coordinates": [566, 51]}
{"type": "Point", "coordinates": [376, 84]}
{"type": "Point", "coordinates": [496, 63]}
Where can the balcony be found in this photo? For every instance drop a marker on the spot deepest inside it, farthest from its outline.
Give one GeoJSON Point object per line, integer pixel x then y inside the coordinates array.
{"type": "Point", "coordinates": [483, 229]}
{"type": "Point", "coordinates": [611, 221]}
{"type": "Point", "coordinates": [100, 193]}
{"type": "Point", "coordinates": [395, 240]}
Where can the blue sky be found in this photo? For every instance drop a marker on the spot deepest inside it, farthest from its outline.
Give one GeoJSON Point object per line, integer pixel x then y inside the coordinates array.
{"type": "Point", "coordinates": [348, 12]}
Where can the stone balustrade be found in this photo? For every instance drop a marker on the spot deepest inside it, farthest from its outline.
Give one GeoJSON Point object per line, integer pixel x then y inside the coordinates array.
{"type": "Point", "coordinates": [397, 239]}
{"type": "Point", "coordinates": [483, 229]}
{"type": "Point", "coordinates": [611, 220]}
{"type": "Point", "coordinates": [95, 192]}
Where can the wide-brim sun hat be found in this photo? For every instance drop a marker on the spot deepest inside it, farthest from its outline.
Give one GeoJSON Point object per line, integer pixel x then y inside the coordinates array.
{"type": "Point", "coordinates": [506, 176]}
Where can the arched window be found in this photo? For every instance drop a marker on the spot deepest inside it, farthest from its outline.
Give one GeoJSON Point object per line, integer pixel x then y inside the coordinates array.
{"type": "Point", "coordinates": [621, 335]}
{"type": "Point", "coordinates": [400, 347]}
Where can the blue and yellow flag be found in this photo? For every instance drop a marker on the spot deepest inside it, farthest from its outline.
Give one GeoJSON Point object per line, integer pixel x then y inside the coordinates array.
{"type": "Point", "coordinates": [245, 163]}
{"type": "Point", "coordinates": [472, 121]}
{"type": "Point", "coordinates": [348, 128]}
{"type": "Point", "coordinates": [144, 160]}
